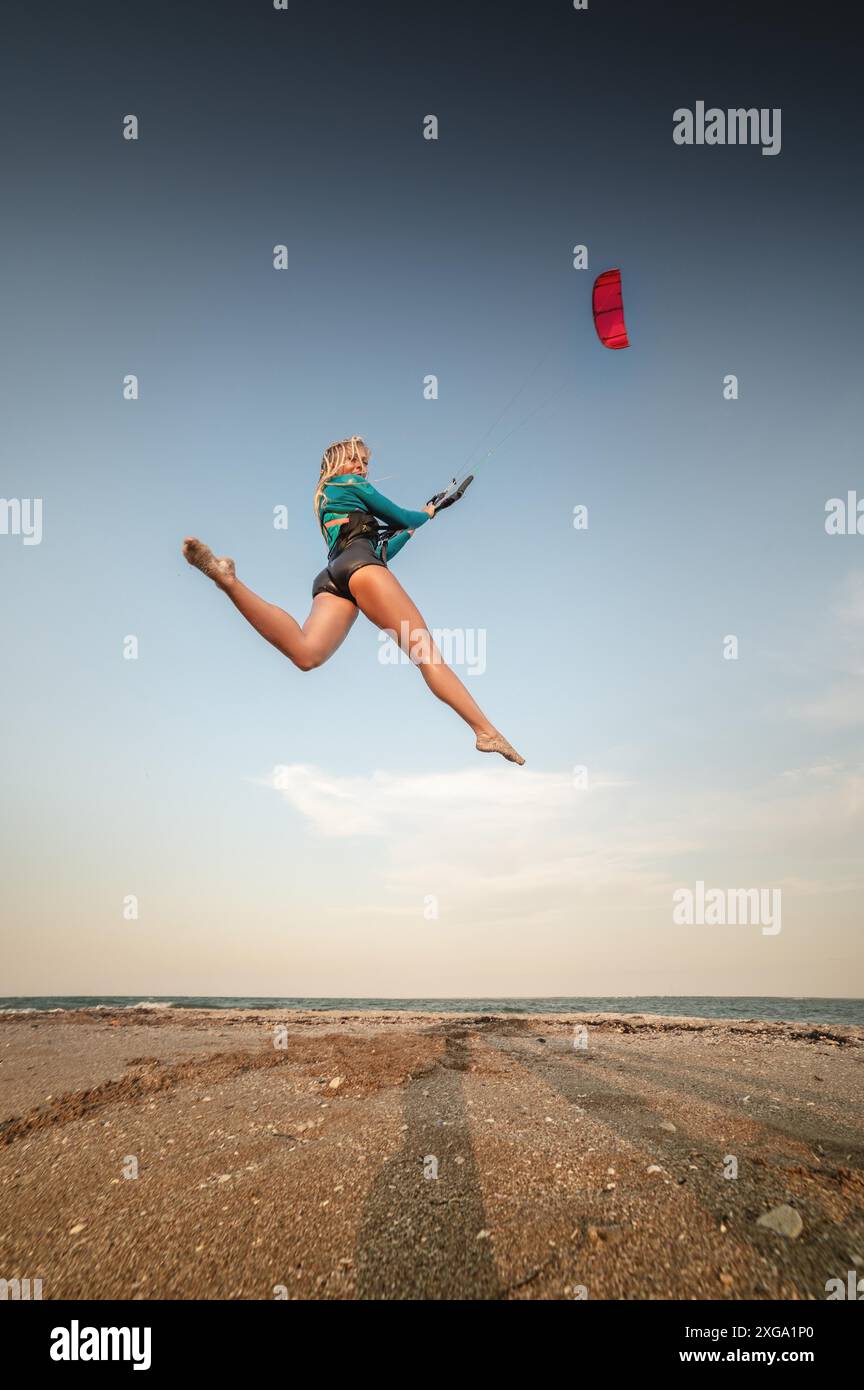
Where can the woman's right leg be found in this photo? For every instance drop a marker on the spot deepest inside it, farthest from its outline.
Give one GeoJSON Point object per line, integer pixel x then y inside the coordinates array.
{"type": "Point", "coordinates": [326, 628]}
{"type": "Point", "coordinates": [386, 604]}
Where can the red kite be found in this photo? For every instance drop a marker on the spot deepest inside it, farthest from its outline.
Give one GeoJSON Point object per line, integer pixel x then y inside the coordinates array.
{"type": "Point", "coordinates": [609, 310]}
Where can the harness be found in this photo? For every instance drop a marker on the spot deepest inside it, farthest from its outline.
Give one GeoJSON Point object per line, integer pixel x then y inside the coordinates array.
{"type": "Point", "coordinates": [360, 526]}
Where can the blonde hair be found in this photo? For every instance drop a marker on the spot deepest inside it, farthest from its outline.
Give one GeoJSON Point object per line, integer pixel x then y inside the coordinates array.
{"type": "Point", "coordinates": [333, 462]}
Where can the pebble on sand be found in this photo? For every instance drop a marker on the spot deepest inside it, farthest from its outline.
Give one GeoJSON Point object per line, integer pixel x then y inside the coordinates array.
{"type": "Point", "coordinates": [785, 1220]}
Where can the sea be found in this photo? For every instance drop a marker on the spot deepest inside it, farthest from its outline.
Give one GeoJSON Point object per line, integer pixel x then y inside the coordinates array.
{"type": "Point", "coordinates": [789, 1009]}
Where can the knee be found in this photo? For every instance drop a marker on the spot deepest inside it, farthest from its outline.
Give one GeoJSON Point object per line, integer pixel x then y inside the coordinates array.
{"type": "Point", "coordinates": [421, 648]}
{"type": "Point", "coordinates": [308, 661]}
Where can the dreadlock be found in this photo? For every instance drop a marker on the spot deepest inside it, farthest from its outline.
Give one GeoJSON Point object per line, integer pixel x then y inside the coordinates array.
{"type": "Point", "coordinates": [333, 462]}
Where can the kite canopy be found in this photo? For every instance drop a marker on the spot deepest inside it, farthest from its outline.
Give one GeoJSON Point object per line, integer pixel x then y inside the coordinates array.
{"type": "Point", "coordinates": [609, 310]}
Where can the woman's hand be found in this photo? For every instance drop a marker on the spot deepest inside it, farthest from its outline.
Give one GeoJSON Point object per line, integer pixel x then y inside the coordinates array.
{"type": "Point", "coordinates": [429, 508]}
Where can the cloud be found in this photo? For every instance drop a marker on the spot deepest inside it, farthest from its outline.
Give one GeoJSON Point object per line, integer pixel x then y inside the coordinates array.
{"type": "Point", "coordinates": [533, 848]}
{"type": "Point", "coordinates": [821, 771]}
{"type": "Point", "coordinates": [379, 804]}
{"type": "Point", "coordinates": [503, 843]}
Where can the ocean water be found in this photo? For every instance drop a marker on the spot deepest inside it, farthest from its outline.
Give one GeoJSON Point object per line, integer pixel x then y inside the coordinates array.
{"type": "Point", "coordinates": [791, 1010]}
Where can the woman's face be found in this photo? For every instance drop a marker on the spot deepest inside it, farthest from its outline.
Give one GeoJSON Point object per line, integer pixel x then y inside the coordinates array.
{"type": "Point", "coordinates": [360, 462]}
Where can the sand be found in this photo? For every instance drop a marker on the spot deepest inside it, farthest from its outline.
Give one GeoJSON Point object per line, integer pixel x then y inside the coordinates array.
{"type": "Point", "coordinates": [407, 1156]}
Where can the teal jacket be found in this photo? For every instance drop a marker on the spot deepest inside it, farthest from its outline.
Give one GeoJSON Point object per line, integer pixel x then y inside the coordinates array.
{"type": "Point", "coordinates": [351, 493]}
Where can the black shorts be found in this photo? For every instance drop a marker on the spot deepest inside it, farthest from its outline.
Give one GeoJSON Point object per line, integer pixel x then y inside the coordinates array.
{"type": "Point", "coordinates": [334, 580]}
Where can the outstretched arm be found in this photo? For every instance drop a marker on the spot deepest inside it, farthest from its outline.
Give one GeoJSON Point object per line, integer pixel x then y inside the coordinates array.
{"type": "Point", "coordinates": [395, 543]}
{"type": "Point", "coordinates": [388, 511]}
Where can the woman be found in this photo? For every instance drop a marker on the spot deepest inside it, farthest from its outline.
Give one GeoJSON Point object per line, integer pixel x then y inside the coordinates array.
{"type": "Point", "coordinates": [356, 576]}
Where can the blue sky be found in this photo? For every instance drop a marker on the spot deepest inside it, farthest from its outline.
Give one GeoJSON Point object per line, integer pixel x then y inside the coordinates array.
{"type": "Point", "coordinates": [153, 777]}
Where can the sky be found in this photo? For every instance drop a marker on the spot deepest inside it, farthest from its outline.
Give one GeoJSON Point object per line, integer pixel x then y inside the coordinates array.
{"type": "Point", "coordinates": [334, 832]}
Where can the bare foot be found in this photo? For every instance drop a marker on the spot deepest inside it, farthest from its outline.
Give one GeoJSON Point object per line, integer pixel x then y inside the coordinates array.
{"type": "Point", "coordinates": [218, 568]}
{"type": "Point", "coordinates": [497, 743]}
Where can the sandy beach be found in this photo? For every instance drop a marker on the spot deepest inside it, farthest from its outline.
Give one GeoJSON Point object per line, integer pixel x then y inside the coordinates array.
{"type": "Point", "coordinates": [166, 1153]}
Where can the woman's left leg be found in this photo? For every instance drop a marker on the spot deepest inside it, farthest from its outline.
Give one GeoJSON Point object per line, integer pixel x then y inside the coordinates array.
{"type": "Point", "coordinates": [308, 646]}
{"type": "Point", "coordinates": [326, 628]}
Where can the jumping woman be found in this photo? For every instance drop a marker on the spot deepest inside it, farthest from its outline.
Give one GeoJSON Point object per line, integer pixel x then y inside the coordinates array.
{"type": "Point", "coordinates": [349, 512]}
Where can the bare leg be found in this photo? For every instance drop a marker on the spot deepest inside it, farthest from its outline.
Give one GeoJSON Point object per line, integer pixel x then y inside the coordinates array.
{"type": "Point", "coordinates": [308, 646]}
{"type": "Point", "coordinates": [385, 603]}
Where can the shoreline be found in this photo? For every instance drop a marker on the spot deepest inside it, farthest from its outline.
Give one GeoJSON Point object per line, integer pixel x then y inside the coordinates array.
{"type": "Point", "coordinates": [149, 1015]}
